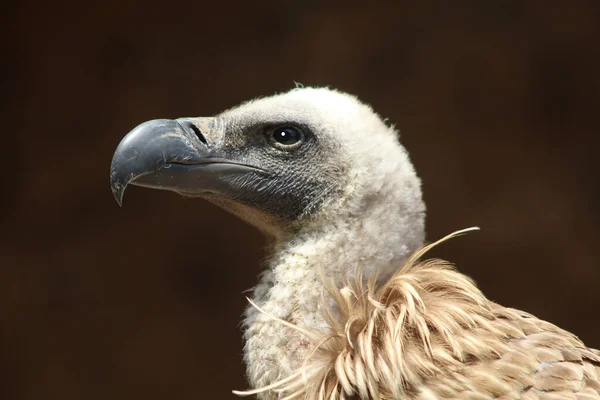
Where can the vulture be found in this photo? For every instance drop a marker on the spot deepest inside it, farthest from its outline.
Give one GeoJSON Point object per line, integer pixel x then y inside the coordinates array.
{"type": "Point", "coordinates": [347, 307]}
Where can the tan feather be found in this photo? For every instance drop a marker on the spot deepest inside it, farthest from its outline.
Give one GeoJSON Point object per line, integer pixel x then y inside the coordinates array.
{"type": "Point", "coordinates": [429, 333]}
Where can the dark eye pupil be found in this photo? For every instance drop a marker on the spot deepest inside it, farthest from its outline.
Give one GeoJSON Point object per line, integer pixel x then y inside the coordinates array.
{"type": "Point", "coordinates": [286, 136]}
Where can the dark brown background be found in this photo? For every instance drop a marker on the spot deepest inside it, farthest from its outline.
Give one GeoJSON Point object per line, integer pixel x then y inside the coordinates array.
{"type": "Point", "coordinates": [497, 104]}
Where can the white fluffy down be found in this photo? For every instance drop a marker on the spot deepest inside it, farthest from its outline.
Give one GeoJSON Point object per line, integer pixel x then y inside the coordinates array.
{"type": "Point", "coordinates": [374, 227]}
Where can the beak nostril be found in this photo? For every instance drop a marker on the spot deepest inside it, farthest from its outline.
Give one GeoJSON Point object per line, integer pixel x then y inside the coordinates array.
{"type": "Point", "coordinates": [199, 134]}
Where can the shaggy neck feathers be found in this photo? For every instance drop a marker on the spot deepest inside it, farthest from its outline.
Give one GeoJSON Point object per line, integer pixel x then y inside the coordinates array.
{"type": "Point", "coordinates": [429, 333]}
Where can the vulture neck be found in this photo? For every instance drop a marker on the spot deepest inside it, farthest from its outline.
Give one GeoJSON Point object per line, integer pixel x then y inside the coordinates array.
{"type": "Point", "coordinates": [292, 288]}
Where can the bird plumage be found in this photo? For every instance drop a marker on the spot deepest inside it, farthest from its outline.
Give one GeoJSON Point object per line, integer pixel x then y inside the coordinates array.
{"type": "Point", "coordinates": [429, 333]}
{"type": "Point", "coordinates": [344, 308]}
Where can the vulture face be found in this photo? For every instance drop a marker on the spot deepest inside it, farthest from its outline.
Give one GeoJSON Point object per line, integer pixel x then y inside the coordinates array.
{"type": "Point", "coordinates": [275, 162]}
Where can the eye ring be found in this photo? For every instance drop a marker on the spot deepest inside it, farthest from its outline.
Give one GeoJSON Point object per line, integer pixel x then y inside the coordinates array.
{"type": "Point", "coordinates": [285, 137]}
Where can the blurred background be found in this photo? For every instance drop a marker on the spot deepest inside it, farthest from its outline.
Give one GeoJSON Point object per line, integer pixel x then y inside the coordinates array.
{"type": "Point", "coordinates": [497, 102]}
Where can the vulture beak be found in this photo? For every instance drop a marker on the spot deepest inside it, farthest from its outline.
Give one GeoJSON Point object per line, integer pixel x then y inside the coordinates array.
{"type": "Point", "coordinates": [181, 155]}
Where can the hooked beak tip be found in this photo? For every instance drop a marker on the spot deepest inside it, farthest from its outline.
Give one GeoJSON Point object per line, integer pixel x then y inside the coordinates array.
{"type": "Point", "coordinates": [118, 190]}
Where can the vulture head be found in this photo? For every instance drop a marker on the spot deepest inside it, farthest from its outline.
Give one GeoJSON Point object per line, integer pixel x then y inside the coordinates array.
{"type": "Point", "coordinates": [316, 170]}
{"type": "Point", "coordinates": [308, 160]}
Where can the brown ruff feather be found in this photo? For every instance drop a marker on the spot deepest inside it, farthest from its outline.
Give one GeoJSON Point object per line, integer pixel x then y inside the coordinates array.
{"type": "Point", "coordinates": [429, 333]}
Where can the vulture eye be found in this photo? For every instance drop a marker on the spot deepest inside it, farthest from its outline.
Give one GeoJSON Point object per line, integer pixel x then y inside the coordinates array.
{"type": "Point", "coordinates": [286, 137]}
